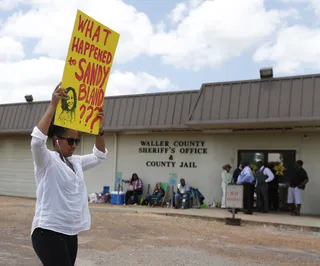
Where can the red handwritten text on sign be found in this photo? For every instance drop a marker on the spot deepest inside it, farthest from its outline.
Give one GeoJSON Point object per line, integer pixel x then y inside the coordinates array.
{"type": "Point", "coordinates": [90, 57]}
{"type": "Point", "coordinates": [234, 197]}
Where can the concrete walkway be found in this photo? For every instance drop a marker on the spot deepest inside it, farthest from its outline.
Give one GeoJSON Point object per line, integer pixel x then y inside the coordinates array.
{"type": "Point", "coordinates": [274, 219]}
{"type": "Point", "coordinates": [271, 219]}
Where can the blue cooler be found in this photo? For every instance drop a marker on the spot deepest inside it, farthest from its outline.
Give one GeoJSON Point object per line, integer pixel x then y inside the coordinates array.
{"type": "Point", "coordinates": [106, 190]}
{"type": "Point", "coordinates": [114, 197]}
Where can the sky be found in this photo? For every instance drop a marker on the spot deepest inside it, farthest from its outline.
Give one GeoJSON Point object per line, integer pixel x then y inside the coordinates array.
{"type": "Point", "coordinates": [164, 45]}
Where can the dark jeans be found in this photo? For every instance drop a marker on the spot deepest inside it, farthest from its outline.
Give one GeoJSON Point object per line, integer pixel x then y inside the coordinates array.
{"type": "Point", "coordinates": [157, 196]}
{"type": "Point", "coordinates": [248, 197]}
{"type": "Point", "coordinates": [262, 198]}
{"type": "Point", "coordinates": [135, 195]}
{"type": "Point", "coordinates": [273, 192]}
{"type": "Point", "coordinates": [54, 248]}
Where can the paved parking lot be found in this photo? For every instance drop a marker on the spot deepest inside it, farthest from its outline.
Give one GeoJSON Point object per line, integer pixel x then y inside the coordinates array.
{"type": "Point", "coordinates": [128, 238]}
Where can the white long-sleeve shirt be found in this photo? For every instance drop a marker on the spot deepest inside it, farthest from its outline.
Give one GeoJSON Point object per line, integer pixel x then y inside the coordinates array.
{"type": "Point", "coordinates": [267, 172]}
{"type": "Point", "coordinates": [226, 178]}
{"type": "Point", "coordinates": [62, 200]}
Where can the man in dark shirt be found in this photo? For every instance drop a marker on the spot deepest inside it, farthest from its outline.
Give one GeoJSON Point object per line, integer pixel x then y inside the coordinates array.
{"type": "Point", "coordinates": [235, 175]}
{"type": "Point", "coordinates": [298, 181]}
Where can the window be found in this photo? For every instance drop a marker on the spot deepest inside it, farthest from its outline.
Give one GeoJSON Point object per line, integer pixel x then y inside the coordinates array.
{"type": "Point", "coordinates": [282, 161]}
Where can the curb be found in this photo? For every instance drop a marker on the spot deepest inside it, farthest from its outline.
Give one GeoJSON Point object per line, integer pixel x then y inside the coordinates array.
{"type": "Point", "coordinates": [218, 219]}
{"type": "Point", "coordinates": [243, 222]}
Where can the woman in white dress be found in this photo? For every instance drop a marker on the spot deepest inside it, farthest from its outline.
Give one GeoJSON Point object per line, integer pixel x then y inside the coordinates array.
{"type": "Point", "coordinates": [226, 178]}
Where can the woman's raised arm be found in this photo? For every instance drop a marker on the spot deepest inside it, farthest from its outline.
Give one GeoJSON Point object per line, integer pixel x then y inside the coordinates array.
{"type": "Point", "coordinates": [39, 133]}
{"type": "Point", "coordinates": [45, 121]}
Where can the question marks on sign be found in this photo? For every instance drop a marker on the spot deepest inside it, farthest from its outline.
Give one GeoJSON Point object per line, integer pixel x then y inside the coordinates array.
{"type": "Point", "coordinates": [90, 115]}
{"type": "Point", "coordinates": [90, 110]}
{"type": "Point", "coordinates": [95, 119]}
{"type": "Point", "coordinates": [83, 110]}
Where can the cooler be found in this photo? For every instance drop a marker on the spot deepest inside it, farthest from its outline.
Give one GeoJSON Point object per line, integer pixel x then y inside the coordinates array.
{"type": "Point", "coordinates": [106, 190]}
{"type": "Point", "coordinates": [114, 197]}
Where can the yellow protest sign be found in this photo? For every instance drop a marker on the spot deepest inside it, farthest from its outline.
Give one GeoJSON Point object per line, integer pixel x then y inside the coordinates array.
{"type": "Point", "coordinates": [86, 73]}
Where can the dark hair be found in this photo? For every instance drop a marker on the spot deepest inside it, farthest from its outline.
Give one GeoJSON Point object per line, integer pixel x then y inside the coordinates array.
{"type": "Point", "coordinates": [133, 175]}
{"type": "Point", "coordinates": [299, 162]}
{"type": "Point", "coordinates": [244, 164]}
{"type": "Point", "coordinates": [56, 131]}
{"type": "Point", "coordinates": [260, 163]}
{"type": "Point", "coordinates": [271, 165]}
{"type": "Point", "coordinates": [64, 104]}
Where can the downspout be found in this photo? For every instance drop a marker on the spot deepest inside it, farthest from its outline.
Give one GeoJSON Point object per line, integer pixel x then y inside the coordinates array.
{"type": "Point", "coordinates": [115, 159]}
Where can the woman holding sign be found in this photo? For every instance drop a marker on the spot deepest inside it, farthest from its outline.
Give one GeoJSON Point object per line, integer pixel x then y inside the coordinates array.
{"type": "Point", "coordinates": [62, 203]}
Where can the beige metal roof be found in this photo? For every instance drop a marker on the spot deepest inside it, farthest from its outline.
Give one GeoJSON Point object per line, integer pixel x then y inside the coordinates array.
{"type": "Point", "coordinates": [154, 111]}
{"type": "Point", "coordinates": [274, 102]}
{"type": "Point", "coordinates": [271, 103]}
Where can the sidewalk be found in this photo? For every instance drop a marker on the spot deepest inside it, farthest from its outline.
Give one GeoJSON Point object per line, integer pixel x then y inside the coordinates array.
{"type": "Point", "coordinates": [270, 219]}
{"type": "Point", "coordinates": [273, 219]}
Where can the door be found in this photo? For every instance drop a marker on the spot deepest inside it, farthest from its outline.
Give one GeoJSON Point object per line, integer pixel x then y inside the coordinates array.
{"type": "Point", "coordinates": [16, 164]}
{"type": "Point", "coordinates": [281, 162]}
{"type": "Point", "coordinates": [286, 158]}
{"type": "Point", "coordinates": [251, 157]}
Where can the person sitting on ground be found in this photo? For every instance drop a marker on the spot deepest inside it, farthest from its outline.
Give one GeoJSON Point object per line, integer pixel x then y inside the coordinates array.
{"type": "Point", "coordinates": [182, 195]}
{"type": "Point", "coordinates": [158, 192]}
{"type": "Point", "coordinates": [134, 189]}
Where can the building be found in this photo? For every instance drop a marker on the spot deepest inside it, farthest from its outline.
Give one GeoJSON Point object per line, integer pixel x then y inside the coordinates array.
{"type": "Point", "coordinates": [190, 133]}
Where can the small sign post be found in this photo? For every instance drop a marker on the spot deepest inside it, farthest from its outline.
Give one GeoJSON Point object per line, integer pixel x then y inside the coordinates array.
{"type": "Point", "coordinates": [118, 184]}
{"type": "Point", "coordinates": [172, 179]}
{"type": "Point", "coordinates": [172, 183]}
{"type": "Point", "coordinates": [234, 200]}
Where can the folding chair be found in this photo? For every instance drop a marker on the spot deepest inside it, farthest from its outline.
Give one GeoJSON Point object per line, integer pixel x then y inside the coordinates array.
{"type": "Point", "coordinates": [164, 186]}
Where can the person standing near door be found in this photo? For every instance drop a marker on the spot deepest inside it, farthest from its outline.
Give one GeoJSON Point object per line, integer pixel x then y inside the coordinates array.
{"type": "Point", "coordinates": [298, 181]}
{"type": "Point", "coordinates": [263, 177]}
{"type": "Point", "coordinates": [236, 173]}
{"type": "Point", "coordinates": [273, 189]}
{"type": "Point", "coordinates": [246, 179]}
{"type": "Point", "coordinates": [226, 178]}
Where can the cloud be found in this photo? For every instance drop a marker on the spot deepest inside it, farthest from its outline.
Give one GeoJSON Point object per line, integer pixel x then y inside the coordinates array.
{"type": "Point", "coordinates": [50, 24]}
{"type": "Point", "coordinates": [196, 34]}
{"type": "Point", "coordinates": [33, 76]}
{"type": "Point", "coordinates": [312, 4]}
{"type": "Point", "coordinates": [204, 33]}
{"type": "Point", "coordinates": [294, 48]}
{"type": "Point", "coordinates": [131, 83]}
{"type": "Point", "coordinates": [215, 31]}
{"type": "Point", "coordinates": [10, 49]}
{"type": "Point", "coordinates": [183, 9]}
{"type": "Point", "coordinates": [178, 13]}
{"type": "Point", "coordinates": [40, 76]}
{"type": "Point", "coordinates": [7, 5]}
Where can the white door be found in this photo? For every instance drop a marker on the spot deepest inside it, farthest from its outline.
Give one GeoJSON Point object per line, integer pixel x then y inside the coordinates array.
{"type": "Point", "coordinates": [16, 167]}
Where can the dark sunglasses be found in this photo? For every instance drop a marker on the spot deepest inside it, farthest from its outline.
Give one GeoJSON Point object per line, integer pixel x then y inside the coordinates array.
{"type": "Point", "coordinates": [71, 141]}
